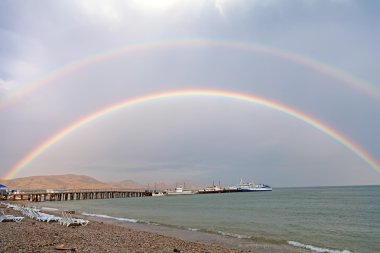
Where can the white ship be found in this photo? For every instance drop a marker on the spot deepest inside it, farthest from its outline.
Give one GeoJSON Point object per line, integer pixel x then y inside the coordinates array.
{"type": "Point", "coordinates": [212, 189]}
{"type": "Point", "coordinates": [180, 191]}
{"type": "Point", "coordinates": [158, 194]}
{"type": "Point", "coordinates": [252, 187]}
{"type": "Point", "coordinates": [218, 189]}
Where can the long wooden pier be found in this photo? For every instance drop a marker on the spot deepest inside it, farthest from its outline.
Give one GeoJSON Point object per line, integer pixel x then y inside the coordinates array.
{"type": "Point", "coordinates": [76, 194]}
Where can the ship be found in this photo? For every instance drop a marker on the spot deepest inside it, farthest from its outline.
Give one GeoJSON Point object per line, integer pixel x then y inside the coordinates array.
{"type": "Point", "coordinates": [158, 194]}
{"type": "Point", "coordinates": [252, 187]}
{"type": "Point", "coordinates": [212, 189]}
{"type": "Point", "coordinates": [180, 191]}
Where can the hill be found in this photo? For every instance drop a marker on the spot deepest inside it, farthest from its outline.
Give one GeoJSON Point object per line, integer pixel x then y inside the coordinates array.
{"type": "Point", "coordinates": [68, 181]}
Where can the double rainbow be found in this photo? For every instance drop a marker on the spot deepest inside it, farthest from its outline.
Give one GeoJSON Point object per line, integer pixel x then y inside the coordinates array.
{"type": "Point", "coordinates": [40, 149]}
{"type": "Point", "coordinates": [80, 64]}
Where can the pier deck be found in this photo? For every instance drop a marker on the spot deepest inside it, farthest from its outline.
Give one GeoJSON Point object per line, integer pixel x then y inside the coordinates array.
{"type": "Point", "coordinates": [76, 194]}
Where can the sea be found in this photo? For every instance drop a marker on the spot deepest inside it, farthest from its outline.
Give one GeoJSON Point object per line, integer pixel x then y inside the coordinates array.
{"type": "Point", "coordinates": [318, 219]}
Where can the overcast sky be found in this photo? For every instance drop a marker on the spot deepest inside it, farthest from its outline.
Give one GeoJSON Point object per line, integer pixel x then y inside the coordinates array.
{"type": "Point", "coordinates": [197, 140]}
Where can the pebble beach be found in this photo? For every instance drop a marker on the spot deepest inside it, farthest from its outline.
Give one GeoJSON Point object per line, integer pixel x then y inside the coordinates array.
{"type": "Point", "coordinates": [100, 236]}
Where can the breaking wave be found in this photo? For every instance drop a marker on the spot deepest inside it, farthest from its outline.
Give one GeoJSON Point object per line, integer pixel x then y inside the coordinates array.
{"type": "Point", "coordinates": [316, 249]}
{"type": "Point", "coordinates": [193, 229]}
{"type": "Point", "coordinates": [233, 235]}
{"type": "Point", "coordinates": [110, 217]}
{"type": "Point", "coordinates": [49, 209]}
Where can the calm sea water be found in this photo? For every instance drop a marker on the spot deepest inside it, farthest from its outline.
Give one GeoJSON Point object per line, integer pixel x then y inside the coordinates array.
{"type": "Point", "coordinates": [323, 219]}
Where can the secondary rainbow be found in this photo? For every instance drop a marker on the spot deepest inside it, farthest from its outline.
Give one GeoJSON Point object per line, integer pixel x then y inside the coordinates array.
{"type": "Point", "coordinates": [40, 149]}
{"type": "Point", "coordinates": [83, 63]}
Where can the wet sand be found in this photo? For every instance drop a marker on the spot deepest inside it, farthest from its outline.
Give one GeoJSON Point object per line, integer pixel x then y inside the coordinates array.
{"type": "Point", "coordinates": [105, 235]}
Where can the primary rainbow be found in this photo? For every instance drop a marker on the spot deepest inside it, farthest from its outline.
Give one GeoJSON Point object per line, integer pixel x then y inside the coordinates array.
{"type": "Point", "coordinates": [76, 66]}
{"type": "Point", "coordinates": [40, 149]}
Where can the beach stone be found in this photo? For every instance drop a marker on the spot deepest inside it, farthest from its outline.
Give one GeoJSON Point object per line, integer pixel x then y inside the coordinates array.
{"type": "Point", "coordinates": [32, 236]}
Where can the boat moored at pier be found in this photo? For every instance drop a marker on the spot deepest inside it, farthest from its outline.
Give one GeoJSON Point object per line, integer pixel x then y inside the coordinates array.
{"type": "Point", "coordinates": [212, 189]}
{"type": "Point", "coordinates": [252, 187]}
{"type": "Point", "coordinates": [180, 191]}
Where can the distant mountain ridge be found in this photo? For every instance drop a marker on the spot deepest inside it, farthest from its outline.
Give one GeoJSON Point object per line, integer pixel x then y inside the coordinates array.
{"type": "Point", "coordinates": [67, 181]}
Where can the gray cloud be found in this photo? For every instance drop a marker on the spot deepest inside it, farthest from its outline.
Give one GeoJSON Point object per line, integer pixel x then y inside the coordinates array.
{"type": "Point", "coordinates": [196, 139]}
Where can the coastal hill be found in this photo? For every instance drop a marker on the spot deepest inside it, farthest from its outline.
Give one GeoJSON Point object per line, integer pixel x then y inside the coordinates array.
{"type": "Point", "coordinates": [68, 181]}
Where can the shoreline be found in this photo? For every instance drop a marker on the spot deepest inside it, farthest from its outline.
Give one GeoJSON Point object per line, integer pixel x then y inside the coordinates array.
{"type": "Point", "coordinates": [108, 235]}
{"type": "Point", "coordinates": [203, 237]}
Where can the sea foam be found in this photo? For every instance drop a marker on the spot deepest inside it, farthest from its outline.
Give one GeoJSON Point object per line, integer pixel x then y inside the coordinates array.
{"type": "Point", "coordinates": [49, 209]}
{"type": "Point", "coordinates": [316, 249]}
{"type": "Point", "coordinates": [110, 217]}
{"type": "Point", "coordinates": [193, 229]}
{"type": "Point", "coordinates": [233, 235]}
